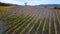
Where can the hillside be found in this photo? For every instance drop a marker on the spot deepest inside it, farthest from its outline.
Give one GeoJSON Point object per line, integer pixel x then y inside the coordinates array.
{"type": "Point", "coordinates": [31, 20]}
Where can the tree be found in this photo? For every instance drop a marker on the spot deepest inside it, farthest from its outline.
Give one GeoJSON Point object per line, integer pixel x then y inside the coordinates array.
{"type": "Point", "coordinates": [25, 4]}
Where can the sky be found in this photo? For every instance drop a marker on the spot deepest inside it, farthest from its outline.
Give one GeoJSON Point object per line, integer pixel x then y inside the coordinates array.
{"type": "Point", "coordinates": [31, 2]}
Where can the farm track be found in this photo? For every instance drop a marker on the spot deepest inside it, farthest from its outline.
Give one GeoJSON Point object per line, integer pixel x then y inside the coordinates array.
{"type": "Point", "coordinates": [42, 21]}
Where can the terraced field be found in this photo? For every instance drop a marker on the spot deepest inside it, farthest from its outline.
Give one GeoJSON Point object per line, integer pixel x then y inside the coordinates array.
{"type": "Point", "coordinates": [44, 21]}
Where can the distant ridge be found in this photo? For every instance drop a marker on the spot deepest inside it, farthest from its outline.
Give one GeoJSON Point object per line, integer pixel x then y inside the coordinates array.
{"type": "Point", "coordinates": [48, 5]}
{"type": "Point", "coordinates": [7, 4]}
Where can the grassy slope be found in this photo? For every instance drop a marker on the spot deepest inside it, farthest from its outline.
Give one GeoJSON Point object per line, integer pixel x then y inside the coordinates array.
{"type": "Point", "coordinates": [2, 12]}
{"type": "Point", "coordinates": [3, 9]}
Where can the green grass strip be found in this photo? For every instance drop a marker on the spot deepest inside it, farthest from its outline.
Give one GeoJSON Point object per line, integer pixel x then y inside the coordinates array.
{"type": "Point", "coordinates": [17, 24]}
{"type": "Point", "coordinates": [36, 32]}
{"type": "Point", "coordinates": [50, 24]}
{"type": "Point", "coordinates": [58, 18]}
{"type": "Point", "coordinates": [44, 24]}
{"type": "Point", "coordinates": [34, 24]}
{"type": "Point", "coordinates": [55, 26]}
{"type": "Point", "coordinates": [27, 25]}
{"type": "Point", "coordinates": [25, 22]}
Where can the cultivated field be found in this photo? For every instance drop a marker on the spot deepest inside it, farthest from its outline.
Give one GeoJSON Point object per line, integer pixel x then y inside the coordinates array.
{"type": "Point", "coordinates": [31, 20]}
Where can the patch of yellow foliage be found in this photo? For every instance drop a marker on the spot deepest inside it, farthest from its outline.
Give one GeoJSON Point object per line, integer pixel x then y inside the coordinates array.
{"type": "Point", "coordinates": [3, 10]}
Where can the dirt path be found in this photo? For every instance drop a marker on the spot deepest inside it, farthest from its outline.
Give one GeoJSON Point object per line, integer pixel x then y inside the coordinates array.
{"type": "Point", "coordinates": [2, 24]}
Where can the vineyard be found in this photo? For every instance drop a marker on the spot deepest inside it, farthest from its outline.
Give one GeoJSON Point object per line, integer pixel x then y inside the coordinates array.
{"type": "Point", "coordinates": [47, 22]}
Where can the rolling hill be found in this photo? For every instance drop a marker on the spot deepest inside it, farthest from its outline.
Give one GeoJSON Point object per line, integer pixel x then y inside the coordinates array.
{"type": "Point", "coordinates": [49, 5]}
{"type": "Point", "coordinates": [31, 20]}
{"type": "Point", "coordinates": [7, 4]}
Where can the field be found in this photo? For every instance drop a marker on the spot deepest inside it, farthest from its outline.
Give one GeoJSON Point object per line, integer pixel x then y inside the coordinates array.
{"type": "Point", "coordinates": [32, 20]}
